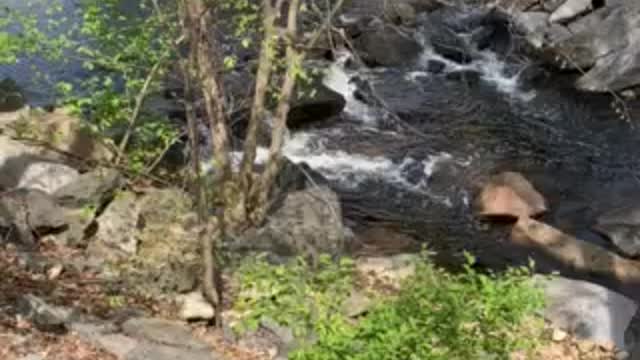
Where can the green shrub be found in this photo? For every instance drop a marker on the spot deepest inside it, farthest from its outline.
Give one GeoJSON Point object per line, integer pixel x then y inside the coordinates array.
{"type": "Point", "coordinates": [439, 315]}
{"type": "Point", "coordinates": [293, 294]}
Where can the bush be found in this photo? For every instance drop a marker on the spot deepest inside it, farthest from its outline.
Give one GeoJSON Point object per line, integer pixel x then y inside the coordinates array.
{"type": "Point", "coordinates": [436, 315]}
{"type": "Point", "coordinates": [439, 315]}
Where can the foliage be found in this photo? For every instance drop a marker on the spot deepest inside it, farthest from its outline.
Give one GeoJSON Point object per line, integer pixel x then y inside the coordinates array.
{"type": "Point", "coordinates": [439, 315]}
{"type": "Point", "coordinates": [126, 51]}
{"type": "Point", "coordinates": [436, 315]}
{"type": "Point", "coordinates": [293, 294]}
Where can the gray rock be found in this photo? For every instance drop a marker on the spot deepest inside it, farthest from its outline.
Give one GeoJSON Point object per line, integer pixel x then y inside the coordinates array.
{"type": "Point", "coordinates": [587, 310]}
{"type": "Point", "coordinates": [622, 227]}
{"type": "Point", "coordinates": [308, 222]}
{"type": "Point", "coordinates": [28, 214]}
{"type": "Point", "coordinates": [531, 22]}
{"type": "Point", "coordinates": [118, 344]}
{"type": "Point", "coordinates": [163, 332]}
{"type": "Point", "coordinates": [193, 306]}
{"type": "Point", "coordinates": [357, 304]}
{"type": "Point", "coordinates": [286, 341]}
{"type": "Point", "coordinates": [42, 315]}
{"type": "Point", "coordinates": [115, 237]}
{"type": "Point", "coordinates": [385, 45]}
{"type": "Point", "coordinates": [551, 5]}
{"type": "Point", "coordinates": [323, 104]}
{"type": "Point", "coordinates": [569, 10]}
{"type": "Point", "coordinates": [47, 176]}
{"type": "Point", "coordinates": [90, 188]}
{"type": "Point", "coordinates": [149, 351]}
{"type": "Point", "coordinates": [18, 159]}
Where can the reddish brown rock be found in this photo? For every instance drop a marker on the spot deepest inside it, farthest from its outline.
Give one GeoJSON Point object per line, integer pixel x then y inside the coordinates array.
{"type": "Point", "coordinates": [509, 194]}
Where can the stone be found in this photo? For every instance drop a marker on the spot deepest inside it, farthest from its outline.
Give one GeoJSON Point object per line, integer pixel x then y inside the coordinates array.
{"type": "Point", "coordinates": [29, 214]}
{"type": "Point", "coordinates": [551, 5]}
{"type": "Point", "coordinates": [589, 311]}
{"type": "Point", "coordinates": [509, 194]}
{"type": "Point", "coordinates": [356, 304]}
{"type": "Point", "coordinates": [558, 335]}
{"type": "Point", "coordinates": [117, 344]}
{"type": "Point", "coordinates": [389, 271]}
{"type": "Point", "coordinates": [11, 97]}
{"type": "Point", "coordinates": [569, 10]}
{"type": "Point", "coordinates": [167, 259]}
{"type": "Point", "coordinates": [531, 22]}
{"type": "Point", "coordinates": [386, 46]}
{"type": "Point", "coordinates": [62, 131]}
{"type": "Point", "coordinates": [91, 188]}
{"type": "Point", "coordinates": [307, 222]}
{"type": "Point", "coordinates": [435, 66]}
{"type": "Point", "coordinates": [149, 351]}
{"type": "Point", "coordinates": [622, 227]}
{"type": "Point", "coordinates": [78, 226]}
{"type": "Point", "coordinates": [47, 176]}
{"type": "Point", "coordinates": [44, 316]}
{"type": "Point", "coordinates": [161, 331]}
{"type": "Point", "coordinates": [286, 341]}
{"type": "Point", "coordinates": [16, 158]}
{"type": "Point", "coordinates": [193, 306]}
{"type": "Point", "coordinates": [115, 237]}
{"type": "Point", "coordinates": [321, 104]}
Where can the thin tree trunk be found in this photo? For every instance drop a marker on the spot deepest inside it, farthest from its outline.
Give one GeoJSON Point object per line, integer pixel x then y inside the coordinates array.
{"type": "Point", "coordinates": [197, 24]}
{"type": "Point", "coordinates": [263, 76]}
{"type": "Point", "coordinates": [274, 163]}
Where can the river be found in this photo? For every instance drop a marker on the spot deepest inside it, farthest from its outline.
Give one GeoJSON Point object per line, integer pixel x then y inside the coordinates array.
{"type": "Point", "coordinates": [412, 144]}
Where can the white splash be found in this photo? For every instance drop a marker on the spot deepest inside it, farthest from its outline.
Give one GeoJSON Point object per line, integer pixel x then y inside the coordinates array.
{"type": "Point", "coordinates": [338, 79]}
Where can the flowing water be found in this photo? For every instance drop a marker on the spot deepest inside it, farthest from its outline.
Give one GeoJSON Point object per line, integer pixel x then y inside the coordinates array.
{"type": "Point", "coordinates": [412, 143]}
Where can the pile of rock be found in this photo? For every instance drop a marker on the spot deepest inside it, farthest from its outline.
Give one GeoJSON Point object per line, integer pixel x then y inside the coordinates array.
{"type": "Point", "coordinates": [597, 37]}
{"type": "Point", "coordinates": [586, 310]}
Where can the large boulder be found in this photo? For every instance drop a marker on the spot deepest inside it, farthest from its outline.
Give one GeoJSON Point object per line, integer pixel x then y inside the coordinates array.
{"type": "Point", "coordinates": [570, 9]}
{"type": "Point", "coordinates": [385, 45]}
{"type": "Point", "coordinates": [82, 199]}
{"type": "Point", "coordinates": [27, 214]}
{"type": "Point", "coordinates": [510, 194]}
{"type": "Point", "coordinates": [167, 260]}
{"type": "Point", "coordinates": [115, 238]}
{"type": "Point", "coordinates": [59, 130]}
{"type": "Point", "coordinates": [604, 44]}
{"type": "Point", "coordinates": [588, 310]}
{"type": "Point", "coordinates": [306, 223]}
{"type": "Point", "coordinates": [317, 104]}
{"type": "Point", "coordinates": [622, 227]}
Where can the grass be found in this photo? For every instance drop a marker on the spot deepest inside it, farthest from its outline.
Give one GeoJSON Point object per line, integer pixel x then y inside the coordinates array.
{"type": "Point", "coordinates": [436, 315]}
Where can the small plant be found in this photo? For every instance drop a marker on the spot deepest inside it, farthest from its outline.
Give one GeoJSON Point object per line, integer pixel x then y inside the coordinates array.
{"type": "Point", "coordinates": [439, 315]}
{"type": "Point", "coordinates": [294, 295]}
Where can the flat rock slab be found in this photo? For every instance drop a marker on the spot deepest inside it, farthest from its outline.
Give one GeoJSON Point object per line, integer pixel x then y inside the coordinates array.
{"type": "Point", "coordinates": [161, 352]}
{"type": "Point", "coordinates": [162, 331]}
{"type": "Point", "coordinates": [590, 311]}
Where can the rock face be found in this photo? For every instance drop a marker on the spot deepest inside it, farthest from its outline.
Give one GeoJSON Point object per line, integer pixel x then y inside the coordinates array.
{"type": "Point", "coordinates": [308, 222]}
{"type": "Point", "coordinates": [322, 104]}
{"type": "Point", "coordinates": [569, 10]}
{"type": "Point", "coordinates": [26, 214]}
{"type": "Point", "coordinates": [589, 311]}
{"type": "Point", "coordinates": [115, 235]}
{"type": "Point", "coordinates": [509, 194]}
{"type": "Point", "coordinates": [622, 227]}
{"type": "Point", "coordinates": [385, 45]}
{"type": "Point", "coordinates": [604, 43]}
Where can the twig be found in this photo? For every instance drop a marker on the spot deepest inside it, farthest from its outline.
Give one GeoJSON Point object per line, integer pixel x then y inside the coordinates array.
{"type": "Point", "coordinates": [136, 111]}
